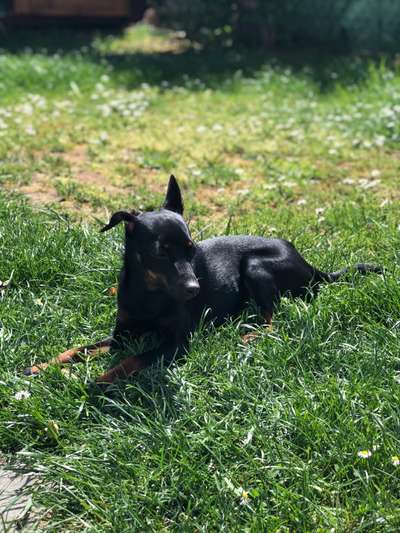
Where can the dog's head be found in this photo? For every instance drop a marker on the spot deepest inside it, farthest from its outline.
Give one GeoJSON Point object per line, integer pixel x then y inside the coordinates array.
{"type": "Point", "coordinates": [160, 244]}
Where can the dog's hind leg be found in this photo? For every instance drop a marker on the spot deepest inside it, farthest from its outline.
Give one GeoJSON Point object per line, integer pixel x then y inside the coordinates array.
{"type": "Point", "coordinates": [73, 355]}
{"type": "Point", "coordinates": [262, 290]}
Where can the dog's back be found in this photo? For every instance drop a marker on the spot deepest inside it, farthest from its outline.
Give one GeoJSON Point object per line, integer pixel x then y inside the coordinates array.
{"type": "Point", "coordinates": [222, 266]}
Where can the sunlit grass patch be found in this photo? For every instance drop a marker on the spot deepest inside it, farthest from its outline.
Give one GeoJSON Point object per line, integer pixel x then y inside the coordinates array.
{"type": "Point", "coordinates": [298, 431]}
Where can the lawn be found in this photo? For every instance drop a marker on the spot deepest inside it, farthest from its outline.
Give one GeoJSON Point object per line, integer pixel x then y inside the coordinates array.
{"type": "Point", "coordinates": [298, 431]}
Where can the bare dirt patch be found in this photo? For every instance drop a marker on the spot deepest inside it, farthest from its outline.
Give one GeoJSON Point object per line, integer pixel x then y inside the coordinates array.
{"type": "Point", "coordinates": [40, 191]}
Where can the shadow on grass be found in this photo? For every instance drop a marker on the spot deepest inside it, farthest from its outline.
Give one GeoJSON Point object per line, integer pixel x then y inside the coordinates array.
{"type": "Point", "coordinates": [214, 67]}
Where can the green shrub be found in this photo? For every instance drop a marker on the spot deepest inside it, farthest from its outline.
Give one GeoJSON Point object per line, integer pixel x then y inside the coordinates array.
{"type": "Point", "coordinates": [358, 24]}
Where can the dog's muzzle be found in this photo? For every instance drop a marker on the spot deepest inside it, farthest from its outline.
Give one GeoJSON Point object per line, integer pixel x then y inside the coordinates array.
{"type": "Point", "coordinates": [190, 290]}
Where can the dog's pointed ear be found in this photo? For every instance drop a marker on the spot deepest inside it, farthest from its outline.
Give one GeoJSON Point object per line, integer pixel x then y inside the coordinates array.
{"type": "Point", "coordinates": [173, 198]}
{"type": "Point", "coordinates": [119, 216]}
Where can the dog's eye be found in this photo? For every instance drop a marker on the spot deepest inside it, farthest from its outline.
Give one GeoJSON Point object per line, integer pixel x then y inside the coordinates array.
{"type": "Point", "coordinates": [190, 248]}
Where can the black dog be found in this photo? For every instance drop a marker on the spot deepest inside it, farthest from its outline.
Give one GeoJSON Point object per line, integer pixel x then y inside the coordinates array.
{"type": "Point", "coordinates": [167, 282]}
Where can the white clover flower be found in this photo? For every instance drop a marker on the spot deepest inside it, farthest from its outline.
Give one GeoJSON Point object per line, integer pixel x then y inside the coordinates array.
{"type": "Point", "coordinates": [380, 140]}
{"type": "Point", "coordinates": [26, 109]}
{"type": "Point", "coordinates": [347, 181]}
{"type": "Point", "coordinates": [366, 184]}
{"type": "Point", "coordinates": [105, 110]}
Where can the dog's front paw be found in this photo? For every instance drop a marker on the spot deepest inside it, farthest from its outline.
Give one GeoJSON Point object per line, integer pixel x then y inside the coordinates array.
{"type": "Point", "coordinates": [250, 337]}
{"type": "Point", "coordinates": [31, 371]}
{"type": "Point", "coordinates": [99, 388]}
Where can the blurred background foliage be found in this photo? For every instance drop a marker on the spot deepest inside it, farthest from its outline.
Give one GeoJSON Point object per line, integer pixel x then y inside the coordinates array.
{"type": "Point", "coordinates": [343, 24]}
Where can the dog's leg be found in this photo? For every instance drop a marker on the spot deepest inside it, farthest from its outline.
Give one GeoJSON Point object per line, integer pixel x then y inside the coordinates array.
{"type": "Point", "coordinates": [262, 289]}
{"type": "Point", "coordinates": [73, 355]}
{"type": "Point", "coordinates": [135, 363]}
{"type": "Point", "coordinates": [248, 337]}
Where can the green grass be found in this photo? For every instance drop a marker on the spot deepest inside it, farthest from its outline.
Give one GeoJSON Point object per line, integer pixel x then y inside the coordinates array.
{"type": "Point", "coordinates": [288, 145]}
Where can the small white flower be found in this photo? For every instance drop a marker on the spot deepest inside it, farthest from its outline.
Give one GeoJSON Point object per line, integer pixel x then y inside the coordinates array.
{"type": "Point", "coordinates": [347, 181]}
{"type": "Point", "coordinates": [364, 454]}
{"type": "Point", "coordinates": [366, 184]}
{"type": "Point", "coordinates": [22, 395]}
{"type": "Point", "coordinates": [244, 495]}
{"type": "Point", "coordinates": [104, 136]}
{"type": "Point", "coordinates": [302, 201]}
{"type": "Point", "coordinates": [375, 173]}
{"type": "Point", "coordinates": [319, 210]}
{"type": "Point", "coordinates": [30, 130]}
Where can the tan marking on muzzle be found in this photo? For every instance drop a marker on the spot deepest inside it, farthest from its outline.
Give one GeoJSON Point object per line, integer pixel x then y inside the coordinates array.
{"type": "Point", "coordinates": [154, 280]}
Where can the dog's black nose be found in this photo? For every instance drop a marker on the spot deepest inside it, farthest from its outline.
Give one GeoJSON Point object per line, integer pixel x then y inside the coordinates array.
{"type": "Point", "coordinates": [191, 290]}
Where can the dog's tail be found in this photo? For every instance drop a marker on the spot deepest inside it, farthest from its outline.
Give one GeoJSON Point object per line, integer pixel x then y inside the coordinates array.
{"type": "Point", "coordinates": [362, 268]}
